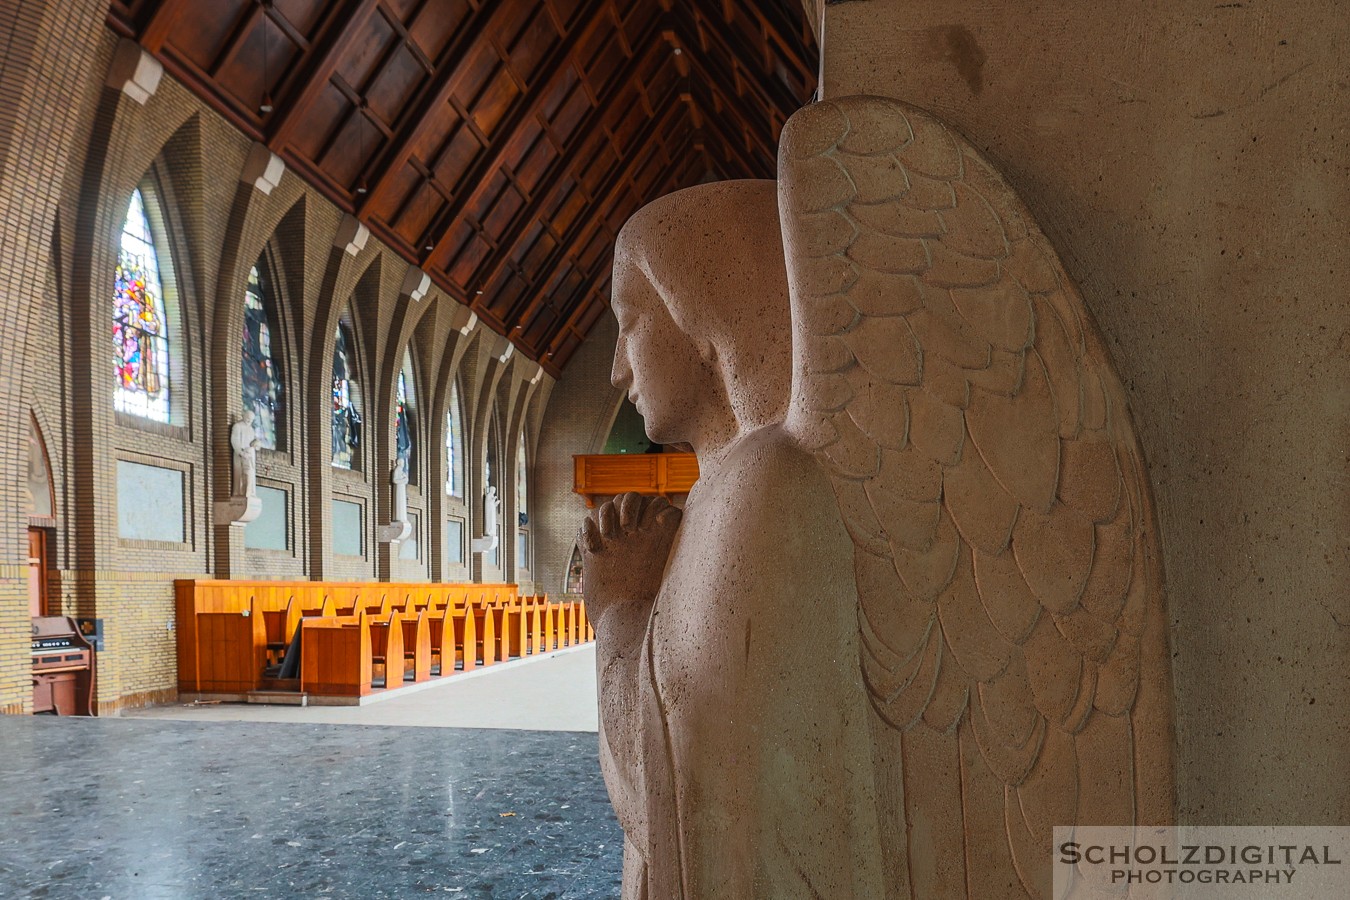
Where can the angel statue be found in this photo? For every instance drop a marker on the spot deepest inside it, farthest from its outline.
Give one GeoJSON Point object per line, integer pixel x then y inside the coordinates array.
{"type": "Point", "coordinates": [911, 617]}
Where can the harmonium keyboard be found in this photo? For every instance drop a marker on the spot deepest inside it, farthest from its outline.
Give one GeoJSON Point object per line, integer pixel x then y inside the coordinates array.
{"type": "Point", "coordinates": [63, 667]}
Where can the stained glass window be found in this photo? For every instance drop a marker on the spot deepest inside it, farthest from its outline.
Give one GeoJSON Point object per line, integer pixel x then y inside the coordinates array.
{"type": "Point", "coordinates": [454, 446]}
{"type": "Point", "coordinates": [261, 381]}
{"type": "Point", "coordinates": [406, 416]}
{"type": "Point", "coordinates": [346, 407]}
{"type": "Point", "coordinates": [140, 328]}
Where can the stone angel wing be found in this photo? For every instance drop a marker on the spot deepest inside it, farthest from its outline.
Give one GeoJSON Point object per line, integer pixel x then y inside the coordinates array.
{"type": "Point", "coordinates": [947, 376]}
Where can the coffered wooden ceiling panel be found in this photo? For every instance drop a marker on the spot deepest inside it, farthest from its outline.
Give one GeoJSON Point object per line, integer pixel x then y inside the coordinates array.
{"type": "Point", "coordinates": [498, 144]}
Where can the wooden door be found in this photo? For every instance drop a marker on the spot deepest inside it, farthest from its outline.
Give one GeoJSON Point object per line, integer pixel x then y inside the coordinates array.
{"type": "Point", "coordinates": [37, 572]}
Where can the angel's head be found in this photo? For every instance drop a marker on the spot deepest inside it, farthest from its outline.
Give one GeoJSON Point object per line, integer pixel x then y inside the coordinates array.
{"type": "Point", "coordinates": [700, 292]}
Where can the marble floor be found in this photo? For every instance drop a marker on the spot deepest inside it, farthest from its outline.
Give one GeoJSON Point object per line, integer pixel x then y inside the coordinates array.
{"type": "Point", "coordinates": [556, 692]}
{"type": "Point", "coordinates": [153, 807]}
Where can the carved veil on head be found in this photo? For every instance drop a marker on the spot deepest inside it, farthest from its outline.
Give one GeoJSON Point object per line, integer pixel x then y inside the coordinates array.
{"type": "Point", "coordinates": [712, 257]}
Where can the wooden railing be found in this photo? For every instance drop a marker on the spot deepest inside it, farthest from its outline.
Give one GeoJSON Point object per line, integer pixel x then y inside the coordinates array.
{"type": "Point", "coordinates": [609, 474]}
{"type": "Point", "coordinates": [229, 630]}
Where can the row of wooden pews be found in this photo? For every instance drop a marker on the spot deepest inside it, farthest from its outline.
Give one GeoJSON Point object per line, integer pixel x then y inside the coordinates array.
{"type": "Point", "coordinates": [354, 639]}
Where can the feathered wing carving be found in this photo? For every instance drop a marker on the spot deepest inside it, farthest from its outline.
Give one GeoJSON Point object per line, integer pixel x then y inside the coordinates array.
{"type": "Point", "coordinates": [947, 376]}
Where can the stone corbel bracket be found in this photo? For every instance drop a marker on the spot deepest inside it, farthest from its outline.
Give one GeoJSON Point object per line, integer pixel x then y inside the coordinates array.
{"type": "Point", "coordinates": [351, 235]}
{"type": "Point", "coordinates": [237, 510]}
{"type": "Point", "coordinates": [416, 283]}
{"type": "Point", "coordinates": [134, 72]}
{"type": "Point", "coordinates": [262, 169]}
{"type": "Point", "coordinates": [397, 530]}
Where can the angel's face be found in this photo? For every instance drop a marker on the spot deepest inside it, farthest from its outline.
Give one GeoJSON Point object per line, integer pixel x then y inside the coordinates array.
{"type": "Point", "coordinates": [659, 366]}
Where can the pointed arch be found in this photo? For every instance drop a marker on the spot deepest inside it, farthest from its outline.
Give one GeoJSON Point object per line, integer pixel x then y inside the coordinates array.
{"type": "Point", "coordinates": [493, 480]}
{"type": "Point", "coordinates": [347, 396]}
{"type": "Point", "coordinates": [141, 331]}
{"type": "Point", "coordinates": [261, 385]}
{"type": "Point", "coordinates": [406, 432]}
{"type": "Point", "coordinates": [40, 484]}
{"type": "Point", "coordinates": [522, 518]}
{"type": "Point", "coordinates": [522, 478]}
{"type": "Point", "coordinates": [454, 442]}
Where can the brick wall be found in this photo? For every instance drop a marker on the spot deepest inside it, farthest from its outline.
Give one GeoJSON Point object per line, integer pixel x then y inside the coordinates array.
{"type": "Point", "coordinates": [73, 150]}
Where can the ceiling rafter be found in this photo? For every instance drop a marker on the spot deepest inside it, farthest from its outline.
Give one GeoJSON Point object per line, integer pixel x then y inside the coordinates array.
{"type": "Point", "coordinates": [512, 137]}
{"type": "Point", "coordinates": [579, 234]}
{"type": "Point", "coordinates": [561, 55]}
{"type": "Point", "coordinates": [356, 14]}
{"type": "Point", "coordinates": [562, 166]}
{"type": "Point", "coordinates": [436, 95]}
{"type": "Point", "coordinates": [553, 267]}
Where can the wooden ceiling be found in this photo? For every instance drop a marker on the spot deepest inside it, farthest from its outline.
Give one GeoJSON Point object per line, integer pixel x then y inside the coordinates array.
{"type": "Point", "coordinates": [498, 144]}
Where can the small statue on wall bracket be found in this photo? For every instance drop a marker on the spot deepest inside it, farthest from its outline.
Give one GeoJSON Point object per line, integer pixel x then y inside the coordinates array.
{"type": "Point", "coordinates": [912, 616]}
{"type": "Point", "coordinates": [400, 526]}
{"type": "Point", "coordinates": [491, 511]}
{"type": "Point", "coordinates": [243, 505]}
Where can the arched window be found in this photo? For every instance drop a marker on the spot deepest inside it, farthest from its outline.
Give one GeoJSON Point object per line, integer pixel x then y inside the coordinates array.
{"type": "Point", "coordinates": [572, 581]}
{"type": "Point", "coordinates": [262, 392]}
{"type": "Point", "coordinates": [522, 479]}
{"type": "Point", "coordinates": [522, 509]}
{"type": "Point", "coordinates": [493, 478]}
{"type": "Point", "coordinates": [405, 400]}
{"type": "Point", "coordinates": [140, 327]}
{"type": "Point", "coordinates": [346, 401]}
{"type": "Point", "coordinates": [454, 445]}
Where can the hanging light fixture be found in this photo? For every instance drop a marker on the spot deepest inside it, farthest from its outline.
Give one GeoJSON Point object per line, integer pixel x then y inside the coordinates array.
{"type": "Point", "coordinates": [361, 145]}
{"type": "Point", "coordinates": [266, 106]}
{"type": "Point", "coordinates": [426, 213]}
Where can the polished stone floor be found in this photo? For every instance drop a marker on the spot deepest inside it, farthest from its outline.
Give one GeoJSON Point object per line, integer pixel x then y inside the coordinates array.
{"type": "Point", "coordinates": [141, 808]}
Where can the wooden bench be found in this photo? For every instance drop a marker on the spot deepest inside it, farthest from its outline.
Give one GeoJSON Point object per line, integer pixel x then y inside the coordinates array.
{"type": "Point", "coordinates": [229, 630]}
{"type": "Point", "coordinates": [335, 656]}
{"type": "Point", "coordinates": [233, 650]}
{"type": "Point", "coordinates": [280, 625]}
{"type": "Point", "coordinates": [417, 643]}
{"type": "Point", "coordinates": [386, 647]}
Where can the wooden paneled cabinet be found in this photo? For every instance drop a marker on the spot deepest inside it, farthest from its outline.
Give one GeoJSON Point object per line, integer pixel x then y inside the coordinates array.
{"type": "Point", "coordinates": [608, 474]}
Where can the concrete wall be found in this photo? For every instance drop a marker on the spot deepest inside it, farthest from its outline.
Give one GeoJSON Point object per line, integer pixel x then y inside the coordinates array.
{"type": "Point", "coordinates": [1190, 162]}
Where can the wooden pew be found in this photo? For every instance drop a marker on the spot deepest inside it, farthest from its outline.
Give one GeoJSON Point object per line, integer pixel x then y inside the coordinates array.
{"type": "Point", "coordinates": [460, 615]}
{"type": "Point", "coordinates": [466, 625]}
{"type": "Point", "coordinates": [417, 643]}
{"type": "Point", "coordinates": [533, 612]}
{"type": "Point", "coordinates": [281, 625]}
{"type": "Point", "coordinates": [485, 623]}
{"type": "Point", "coordinates": [326, 609]}
{"type": "Point", "coordinates": [335, 656]}
{"type": "Point", "coordinates": [232, 650]}
{"type": "Point", "coordinates": [386, 648]}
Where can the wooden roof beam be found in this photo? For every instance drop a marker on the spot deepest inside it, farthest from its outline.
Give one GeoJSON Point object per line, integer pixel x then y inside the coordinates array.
{"type": "Point", "coordinates": [572, 309]}
{"type": "Point", "coordinates": [316, 75]}
{"type": "Point", "coordinates": [420, 114]}
{"type": "Point", "coordinates": [562, 166]}
{"type": "Point", "coordinates": [488, 161]}
{"type": "Point", "coordinates": [582, 229]}
{"type": "Point", "coordinates": [718, 30]}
